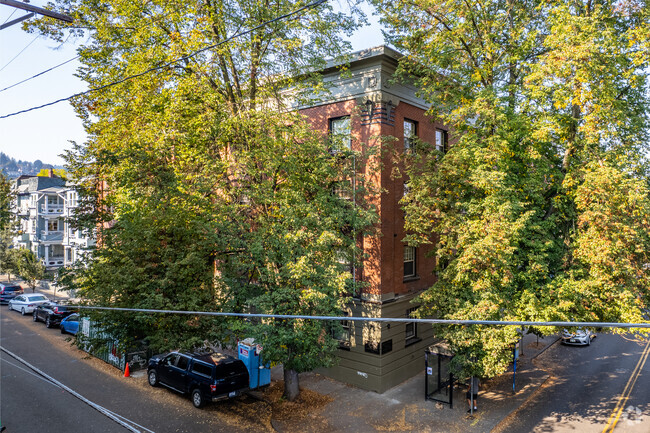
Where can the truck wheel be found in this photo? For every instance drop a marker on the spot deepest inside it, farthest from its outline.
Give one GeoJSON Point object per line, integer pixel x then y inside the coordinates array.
{"type": "Point", "coordinates": [153, 378]}
{"type": "Point", "coordinates": [197, 398]}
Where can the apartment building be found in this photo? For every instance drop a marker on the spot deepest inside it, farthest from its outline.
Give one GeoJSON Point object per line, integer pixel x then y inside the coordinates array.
{"type": "Point", "coordinates": [43, 207]}
{"type": "Point", "coordinates": [366, 107]}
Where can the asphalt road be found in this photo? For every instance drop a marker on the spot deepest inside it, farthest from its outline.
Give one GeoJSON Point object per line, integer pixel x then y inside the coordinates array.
{"type": "Point", "coordinates": [30, 402]}
{"type": "Point", "coordinates": [603, 387]}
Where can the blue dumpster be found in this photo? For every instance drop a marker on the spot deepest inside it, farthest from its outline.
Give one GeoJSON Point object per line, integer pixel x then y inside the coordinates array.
{"type": "Point", "coordinates": [251, 354]}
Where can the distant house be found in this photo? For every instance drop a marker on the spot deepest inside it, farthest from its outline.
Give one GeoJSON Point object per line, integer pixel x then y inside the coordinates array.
{"type": "Point", "coordinates": [44, 207]}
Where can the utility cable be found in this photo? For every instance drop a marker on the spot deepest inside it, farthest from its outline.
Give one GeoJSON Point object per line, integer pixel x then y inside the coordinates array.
{"type": "Point", "coordinates": [21, 51]}
{"type": "Point", "coordinates": [9, 17]}
{"type": "Point", "coordinates": [39, 74]}
{"type": "Point", "coordinates": [375, 319]}
{"type": "Point", "coordinates": [170, 63]}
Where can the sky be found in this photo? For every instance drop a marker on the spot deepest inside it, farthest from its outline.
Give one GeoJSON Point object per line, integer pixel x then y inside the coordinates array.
{"type": "Point", "coordinates": [46, 133]}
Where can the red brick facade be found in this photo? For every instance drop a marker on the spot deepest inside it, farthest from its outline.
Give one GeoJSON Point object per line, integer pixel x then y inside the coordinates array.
{"type": "Point", "coordinates": [384, 268]}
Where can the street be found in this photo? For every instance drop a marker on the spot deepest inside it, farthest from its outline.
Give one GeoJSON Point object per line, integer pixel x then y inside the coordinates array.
{"type": "Point", "coordinates": [31, 402]}
{"type": "Point", "coordinates": [591, 389]}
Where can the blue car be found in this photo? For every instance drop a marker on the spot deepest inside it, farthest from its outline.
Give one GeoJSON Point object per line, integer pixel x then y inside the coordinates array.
{"type": "Point", "coordinates": [70, 324]}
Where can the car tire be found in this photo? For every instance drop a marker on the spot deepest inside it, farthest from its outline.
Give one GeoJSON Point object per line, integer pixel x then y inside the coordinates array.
{"type": "Point", "coordinates": [22, 311]}
{"type": "Point", "coordinates": [152, 376]}
{"type": "Point", "coordinates": [35, 316]}
{"type": "Point", "coordinates": [48, 322]}
{"type": "Point", "coordinates": [197, 398]}
{"type": "Point", "coordinates": [62, 330]}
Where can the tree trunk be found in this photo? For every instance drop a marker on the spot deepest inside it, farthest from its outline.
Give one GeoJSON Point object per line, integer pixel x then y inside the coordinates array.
{"type": "Point", "coordinates": [291, 385]}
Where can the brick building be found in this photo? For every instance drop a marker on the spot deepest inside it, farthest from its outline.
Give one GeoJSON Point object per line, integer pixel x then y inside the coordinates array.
{"type": "Point", "coordinates": [365, 107]}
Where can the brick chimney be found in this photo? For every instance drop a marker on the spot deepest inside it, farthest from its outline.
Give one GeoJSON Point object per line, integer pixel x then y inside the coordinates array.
{"type": "Point", "coordinates": [50, 173]}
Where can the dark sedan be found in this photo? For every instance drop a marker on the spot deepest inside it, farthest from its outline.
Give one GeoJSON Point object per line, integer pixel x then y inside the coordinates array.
{"type": "Point", "coordinates": [52, 313]}
{"type": "Point", "coordinates": [8, 292]}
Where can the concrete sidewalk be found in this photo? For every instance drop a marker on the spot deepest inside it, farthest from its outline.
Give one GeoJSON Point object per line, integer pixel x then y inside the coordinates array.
{"type": "Point", "coordinates": [404, 409]}
{"type": "Point", "coordinates": [47, 288]}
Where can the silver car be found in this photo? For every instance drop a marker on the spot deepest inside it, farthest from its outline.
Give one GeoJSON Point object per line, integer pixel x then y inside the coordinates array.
{"type": "Point", "coordinates": [27, 303]}
{"type": "Point", "coordinates": [579, 337]}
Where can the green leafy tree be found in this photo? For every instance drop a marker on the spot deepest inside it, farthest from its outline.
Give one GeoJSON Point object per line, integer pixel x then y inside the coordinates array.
{"type": "Point", "coordinates": [7, 262]}
{"type": "Point", "coordinates": [537, 209]}
{"type": "Point", "coordinates": [56, 171]}
{"type": "Point", "coordinates": [30, 268]}
{"type": "Point", "coordinates": [206, 191]}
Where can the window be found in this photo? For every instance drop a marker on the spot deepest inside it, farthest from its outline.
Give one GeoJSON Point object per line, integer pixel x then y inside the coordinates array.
{"type": "Point", "coordinates": [441, 140]}
{"type": "Point", "coordinates": [340, 133]}
{"type": "Point", "coordinates": [52, 199]}
{"type": "Point", "coordinates": [202, 369]}
{"type": "Point", "coordinates": [411, 335]}
{"type": "Point", "coordinates": [342, 334]}
{"type": "Point", "coordinates": [183, 362]}
{"type": "Point", "coordinates": [409, 261]}
{"type": "Point", "coordinates": [53, 225]}
{"type": "Point", "coordinates": [410, 133]}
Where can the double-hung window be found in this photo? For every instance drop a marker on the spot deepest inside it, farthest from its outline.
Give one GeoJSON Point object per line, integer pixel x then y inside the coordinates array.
{"type": "Point", "coordinates": [409, 262]}
{"type": "Point", "coordinates": [441, 140]}
{"type": "Point", "coordinates": [340, 133]}
{"type": "Point", "coordinates": [410, 133]}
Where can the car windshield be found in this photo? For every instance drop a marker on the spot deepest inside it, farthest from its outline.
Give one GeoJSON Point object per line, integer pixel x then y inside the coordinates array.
{"type": "Point", "coordinates": [37, 298]}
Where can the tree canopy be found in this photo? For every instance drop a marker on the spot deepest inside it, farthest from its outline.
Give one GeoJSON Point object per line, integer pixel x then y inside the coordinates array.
{"type": "Point", "coordinates": [539, 210]}
{"type": "Point", "coordinates": [207, 192]}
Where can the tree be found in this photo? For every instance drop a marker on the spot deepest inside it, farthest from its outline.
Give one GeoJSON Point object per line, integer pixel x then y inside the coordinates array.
{"type": "Point", "coordinates": [45, 172]}
{"type": "Point", "coordinates": [207, 192]}
{"type": "Point", "coordinates": [30, 268]}
{"type": "Point", "coordinates": [7, 263]}
{"type": "Point", "coordinates": [547, 101]}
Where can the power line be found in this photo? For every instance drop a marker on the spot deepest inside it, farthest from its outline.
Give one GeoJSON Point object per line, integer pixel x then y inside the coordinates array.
{"type": "Point", "coordinates": [21, 51]}
{"type": "Point", "coordinates": [12, 14]}
{"type": "Point", "coordinates": [379, 319]}
{"type": "Point", "coordinates": [170, 63]}
{"type": "Point", "coordinates": [39, 74]}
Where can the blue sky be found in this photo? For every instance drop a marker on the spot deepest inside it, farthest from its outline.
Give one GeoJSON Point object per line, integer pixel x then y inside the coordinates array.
{"type": "Point", "coordinates": [44, 134]}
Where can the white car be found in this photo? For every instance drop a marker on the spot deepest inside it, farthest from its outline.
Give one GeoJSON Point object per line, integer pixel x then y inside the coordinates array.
{"type": "Point", "coordinates": [579, 337]}
{"type": "Point", "coordinates": [27, 303]}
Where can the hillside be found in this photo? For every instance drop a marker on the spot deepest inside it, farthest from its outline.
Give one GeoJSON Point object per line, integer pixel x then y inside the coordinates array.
{"type": "Point", "coordinates": [13, 169]}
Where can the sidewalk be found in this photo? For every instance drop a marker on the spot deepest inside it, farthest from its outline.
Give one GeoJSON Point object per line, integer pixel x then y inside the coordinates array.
{"type": "Point", "coordinates": [44, 287]}
{"type": "Point", "coordinates": [404, 409]}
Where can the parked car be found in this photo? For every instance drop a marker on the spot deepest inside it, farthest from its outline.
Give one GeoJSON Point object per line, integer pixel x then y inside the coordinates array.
{"type": "Point", "coordinates": [207, 376]}
{"type": "Point", "coordinates": [579, 337]}
{"type": "Point", "coordinates": [8, 292]}
{"type": "Point", "coordinates": [51, 313]}
{"type": "Point", "coordinates": [70, 324]}
{"type": "Point", "coordinates": [26, 303]}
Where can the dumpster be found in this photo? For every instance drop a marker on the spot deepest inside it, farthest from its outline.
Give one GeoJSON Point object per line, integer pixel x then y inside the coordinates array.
{"type": "Point", "coordinates": [250, 354]}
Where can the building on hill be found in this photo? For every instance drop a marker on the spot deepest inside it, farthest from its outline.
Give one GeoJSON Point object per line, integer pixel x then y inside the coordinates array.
{"type": "Point", "coordinates": [364, 107]}
{"type": "Point", "coordinates": [43, 208]}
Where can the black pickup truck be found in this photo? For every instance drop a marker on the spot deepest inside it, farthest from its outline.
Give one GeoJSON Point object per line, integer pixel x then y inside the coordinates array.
{"type": "Point", "coordinates": [205, 376]}
{"type": "Point", "coordinates": [52, 313]}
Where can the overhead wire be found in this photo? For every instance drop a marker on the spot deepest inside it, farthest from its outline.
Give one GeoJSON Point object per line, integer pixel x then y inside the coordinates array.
{"type": "Point", "coordinates": [170, 63]}
{"type": "Point", "coordinates": [9, 17]}
{"type": "Point", "coordinates": [39, 74]}
{"type": "Point", "coordinates": [21, 51]}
